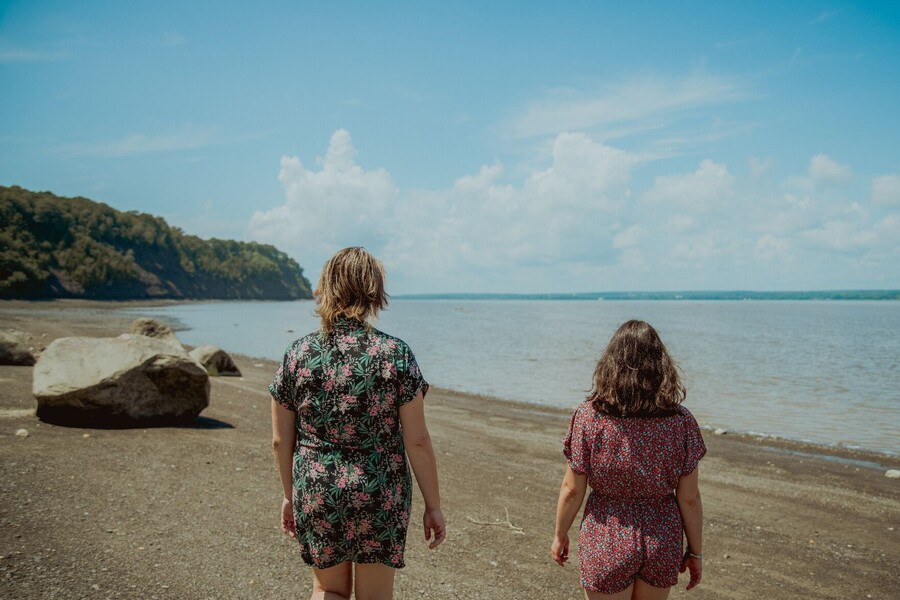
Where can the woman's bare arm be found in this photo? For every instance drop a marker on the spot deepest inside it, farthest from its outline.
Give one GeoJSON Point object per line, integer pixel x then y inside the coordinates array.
{"type": "Point", "coordinates": [571, 496]}
{"type": "Point", "coordinates": [284, 435]}
{"type": "Point", "coordinates": [421, 457]}
{"type": "Point", "coordinates": [691, 507]}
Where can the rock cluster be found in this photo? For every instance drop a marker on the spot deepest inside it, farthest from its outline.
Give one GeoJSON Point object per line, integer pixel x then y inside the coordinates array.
{"type": "Point", "coordinates": [141, 377]}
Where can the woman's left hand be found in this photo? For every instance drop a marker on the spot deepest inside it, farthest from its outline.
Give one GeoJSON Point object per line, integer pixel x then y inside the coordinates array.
{"type": "Point", "coordinates": [287, 518]}
{"type": "Point", "coordinates": [560, 549]}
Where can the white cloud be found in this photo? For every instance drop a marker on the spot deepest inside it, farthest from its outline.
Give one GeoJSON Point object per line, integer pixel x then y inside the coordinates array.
{"type": "Point", "coordinates": [710, 186]}
{"type": "Point", "coordinates": [825, 170]}
{"type": "Point", "coordinates": [574, 224]}
{"type": "Point", "coordinates": [187, 139]}
{"type": "Point", "coordinates": [339, 205]}
{"type": "Point", "coordinates": [637, 100]}
{"type": "Point", "coordinates": [886, 190]}
{"type": "Point", "coordinates": [11, 56]}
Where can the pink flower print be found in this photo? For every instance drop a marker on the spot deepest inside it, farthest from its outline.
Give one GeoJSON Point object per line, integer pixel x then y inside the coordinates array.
{"type": "Point", "coordinates": [392, 344]}
{"type": "Point", "coordinates": [304, 347]}
{"type": "Point", "coordinates": [349, 399]}
{"type": "Point", "coordinates": [395, 558]}
{"type": "Point", "coordinates": [357, 469]}
{"type": "Point", "coordinates": [329, 385]}
{"type": "Point", "coordinates": [372, 351]}
{"type": "Point", "coordinates": [342, 482]}
{"type": "Point", "coordinates": [373, 410]}
{"type": "Point", "coordinates": [294, 365]}
{"type": "Point", "coordinates": [364, 527]}
{"type": "Point", "coordinates": [351, 533]}
{"type": "Point", "coordinates": [330, 372]}
{"type": "Point", "coordinates": [304, 372]}
{"type": "Point", "coordinates": [346, 370]}
{"type": "Point", "coordinates": [387, 505]}
{"type": "Point", "coordinates": [389, 421]}
{"type": "Point", "coordinates": [348, 339]}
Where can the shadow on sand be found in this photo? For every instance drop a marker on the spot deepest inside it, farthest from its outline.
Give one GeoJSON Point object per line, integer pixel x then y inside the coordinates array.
{"type": "Point", "coordinates": [71, 417]}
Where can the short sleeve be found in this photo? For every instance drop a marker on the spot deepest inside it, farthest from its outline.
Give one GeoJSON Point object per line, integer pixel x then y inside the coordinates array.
{"type": "Point", "coordinates": [282, 386]}
{"type": "Point", "coordinates": [411, 381]}
{"type": "Point", "coordinates": [578, 441]}
{"type": "Point", "coordinates": [694, 447]}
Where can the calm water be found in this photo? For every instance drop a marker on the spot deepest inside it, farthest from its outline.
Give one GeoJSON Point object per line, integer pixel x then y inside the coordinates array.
{"type": "Point", "coordinates": [823, 371]}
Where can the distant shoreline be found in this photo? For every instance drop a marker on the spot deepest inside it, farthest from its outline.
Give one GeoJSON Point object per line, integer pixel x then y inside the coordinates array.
{"type": "Point", "coordinates": [682, 295]}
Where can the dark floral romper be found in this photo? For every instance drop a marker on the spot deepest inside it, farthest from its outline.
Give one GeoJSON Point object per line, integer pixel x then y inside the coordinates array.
{"type": "Point", "coordinates": [352, 487]}
{"type": "Point", "coordinates": [632, 526]}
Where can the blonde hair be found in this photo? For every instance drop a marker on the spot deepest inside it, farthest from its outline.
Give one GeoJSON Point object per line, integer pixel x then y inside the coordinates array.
{"type": "Point", "coordinates": [351, 285]}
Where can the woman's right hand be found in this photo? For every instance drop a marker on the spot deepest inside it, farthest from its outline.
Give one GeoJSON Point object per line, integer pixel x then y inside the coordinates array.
{"type": "Point", "coordinates": [560, 549]}
{"type": "Point", "coordinates": [433, 520]}
{"type": "Point", "coordinates": [695, 566]}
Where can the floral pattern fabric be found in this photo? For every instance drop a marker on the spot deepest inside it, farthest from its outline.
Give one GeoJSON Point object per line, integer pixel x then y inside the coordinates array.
{"type": "Point", "coordinates": [632, 526]}
{"type": "Point", "coordinates": [352, 485]}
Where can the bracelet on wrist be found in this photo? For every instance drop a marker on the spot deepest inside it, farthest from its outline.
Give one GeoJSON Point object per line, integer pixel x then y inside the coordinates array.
{"type": "Point", "coordinates": [692, 555]}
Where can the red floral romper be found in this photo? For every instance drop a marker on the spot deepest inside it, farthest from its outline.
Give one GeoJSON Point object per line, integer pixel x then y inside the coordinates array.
{"type": "Point", "coordinates": [632, 526]}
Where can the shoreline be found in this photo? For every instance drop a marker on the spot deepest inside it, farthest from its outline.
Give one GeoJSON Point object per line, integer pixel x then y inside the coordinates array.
{"type": "Point", "coordinates": [191, 512]}
{"type": "Point", "coordinates": [858, 456]}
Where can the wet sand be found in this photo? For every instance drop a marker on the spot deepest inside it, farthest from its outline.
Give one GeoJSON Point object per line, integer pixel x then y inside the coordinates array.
{"type": "Point", "coordinates": [192, 512]}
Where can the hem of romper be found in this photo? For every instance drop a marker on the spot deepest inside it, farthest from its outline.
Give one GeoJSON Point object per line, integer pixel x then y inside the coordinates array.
{"type": "Point", "coordinates": [334, 563]}
{"type": "Point", "coordinates": [607, 590]}
{"type": "Point", "coordinates": [648, 582]}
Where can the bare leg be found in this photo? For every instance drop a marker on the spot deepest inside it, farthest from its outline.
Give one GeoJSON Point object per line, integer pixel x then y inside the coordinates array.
{"type": "Point", "coordinates": [645, 591]}
{"type": "Point", "coordinates": [333, 583]}
{"type": "Point", "coordinates": [374, 582]}
{"type": "Point", "coordinates": [623, 595]}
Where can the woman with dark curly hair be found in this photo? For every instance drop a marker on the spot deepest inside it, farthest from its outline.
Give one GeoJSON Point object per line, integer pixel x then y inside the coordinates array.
{"type": "Point", "coordinates": [347, 411]}
{"type": "Point", "coordinates": [638, 449]}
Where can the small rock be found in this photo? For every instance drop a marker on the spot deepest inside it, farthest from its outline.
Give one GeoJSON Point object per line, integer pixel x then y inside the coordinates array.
{"type": "Point", "coordinates": [720, 431]}
{"type": "Point", "coordinates": [95, 587]}
{"type": "Point", "coordinates": [892, 474]}
{"type": "Point", "coordinates": [493, 563]}
{"type": "Point", "coordinates": [258, 365]}
{"type": "Point", "coordinates": [85, 435]}
{"type": "Point", "coordinates": [22, 432]}
{"type": "Point", "coordinates": [727, 556]}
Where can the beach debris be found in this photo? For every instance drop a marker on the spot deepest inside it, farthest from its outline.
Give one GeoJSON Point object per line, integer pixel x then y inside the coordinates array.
{"type": "Point", "coordinates": [155, 329]}
{"type": "Point", "coordinates": [13, 350]}
{"type": "Point", "coordinates": [260, 365]}
{"type": "Point", "coordinates": [892, 474]}
{"type": "Point", "coordinates": [22, 432]}
{"type": "Point", "coordinates": [216, 361]}
{"type": "Point", "coordinates": [507, 523]}
{"type": "Point", "coordinates": [128, 378]}
{"type": "Point", "coordinates": [720, 431]}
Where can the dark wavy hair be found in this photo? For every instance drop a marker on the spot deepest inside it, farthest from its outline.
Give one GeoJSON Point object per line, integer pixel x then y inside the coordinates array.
{"type": "Point", "coordinates": [636, 376]}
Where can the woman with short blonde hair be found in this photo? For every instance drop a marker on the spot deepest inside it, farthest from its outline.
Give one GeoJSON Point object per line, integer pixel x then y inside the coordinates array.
{"type": "Point", "coordinates": [347, 413]}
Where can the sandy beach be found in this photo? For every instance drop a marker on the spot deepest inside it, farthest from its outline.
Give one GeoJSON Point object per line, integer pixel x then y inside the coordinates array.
{"type": "Point", "coordinates": [192, 512]}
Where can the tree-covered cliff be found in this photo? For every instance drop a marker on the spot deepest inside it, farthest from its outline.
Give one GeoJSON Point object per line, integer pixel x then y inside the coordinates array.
{"type": "Point", "coordinates": [54, 247]}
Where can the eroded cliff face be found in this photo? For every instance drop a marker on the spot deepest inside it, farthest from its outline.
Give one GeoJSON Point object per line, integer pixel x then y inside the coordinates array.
{"type": "Point", "coordinates": [55, 247]}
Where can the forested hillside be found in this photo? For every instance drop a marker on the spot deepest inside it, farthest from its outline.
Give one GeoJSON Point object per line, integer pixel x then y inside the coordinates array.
{"type": "Point", "coordinates": [55, 247]}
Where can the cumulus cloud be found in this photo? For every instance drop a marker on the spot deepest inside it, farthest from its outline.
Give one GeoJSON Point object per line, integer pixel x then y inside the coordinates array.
{"type": "Point", "coordinates": [341, 204]}
{"type": "Point", "coordinates": [825, 170]}
{"type": "Point", "coordinates": [710, 186]}
{"type": "Point", "coordinates": [574, 223]}
{"type": "Point", "coordinates": [886, 190]}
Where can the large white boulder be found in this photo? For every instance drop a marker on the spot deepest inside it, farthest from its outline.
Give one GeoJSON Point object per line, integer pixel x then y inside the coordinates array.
{"type": "Point", "coordinates": [216, 361]}
{"type": "Point", "coordinates": [131, 377]}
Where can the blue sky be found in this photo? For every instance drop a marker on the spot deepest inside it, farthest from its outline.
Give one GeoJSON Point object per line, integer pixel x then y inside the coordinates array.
{"type": "Point", "coordinates": [481, 146]}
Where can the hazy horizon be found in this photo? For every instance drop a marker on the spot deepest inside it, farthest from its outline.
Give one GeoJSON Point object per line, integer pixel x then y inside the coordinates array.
{"type": "Point", "coordinates": [505, 146]}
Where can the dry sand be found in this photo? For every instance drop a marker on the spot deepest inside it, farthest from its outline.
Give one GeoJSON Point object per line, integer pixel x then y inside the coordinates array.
{"type": "Point", "coordinates": [192, 512]}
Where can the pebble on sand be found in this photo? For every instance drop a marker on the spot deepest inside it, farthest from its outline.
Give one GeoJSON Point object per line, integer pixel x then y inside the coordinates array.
{"type": "Point", "coordinates": [892, 474]}
{"type": "Point", "coordinates": [720, 431]}
{"type": "Point", "coordinates": [24, 433]}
